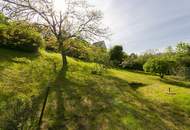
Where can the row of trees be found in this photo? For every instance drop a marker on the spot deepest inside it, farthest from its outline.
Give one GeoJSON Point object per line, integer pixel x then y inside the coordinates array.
{"type": "Point", "coordinates": [173, 61]}
{"type": "Point", "coordinates": [29, 37]}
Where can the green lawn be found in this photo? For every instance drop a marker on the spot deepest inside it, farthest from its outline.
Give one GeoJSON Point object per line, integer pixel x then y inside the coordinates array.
{"type": "Point", "coordinates": [114, 100]}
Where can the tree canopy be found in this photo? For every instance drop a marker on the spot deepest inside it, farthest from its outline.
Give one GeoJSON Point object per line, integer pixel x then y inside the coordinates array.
{"type": "Point", "coordinates": [116, 55]}
{"type": "Point", "coordinates": [79, 19]}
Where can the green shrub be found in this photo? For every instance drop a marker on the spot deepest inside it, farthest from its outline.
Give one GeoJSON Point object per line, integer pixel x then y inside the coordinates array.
{"type": "Point", "coordinates": [51, 43]}
{"type": "Point", "coordinates": [3, 19]}
{"type": "Point", "coordinates": [157, 65]}
{"type": "Point", "coordinates": [98, 69]}
{"type": "Point", "coordinates": [20, 36]}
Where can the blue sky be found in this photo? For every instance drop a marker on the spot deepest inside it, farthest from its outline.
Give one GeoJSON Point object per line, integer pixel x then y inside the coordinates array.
{"type": "Point", "coordinates": [140, 25]}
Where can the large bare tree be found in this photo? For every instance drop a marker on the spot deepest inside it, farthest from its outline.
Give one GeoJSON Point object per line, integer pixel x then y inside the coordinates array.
{"type": "Point", "coordinates": [77, 19]}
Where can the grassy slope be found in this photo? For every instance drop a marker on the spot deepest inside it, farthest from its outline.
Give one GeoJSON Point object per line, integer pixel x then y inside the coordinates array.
{"type": "Point", "coordinates": [115, 100]}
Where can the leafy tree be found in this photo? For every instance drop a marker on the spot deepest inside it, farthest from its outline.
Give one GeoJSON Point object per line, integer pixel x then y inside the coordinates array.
{"type": "Point", "coordinates": [116, 55]}
{"type": "Point", "coordinates": [183, 48]}
{"type": "Point", "coordinates": [77, 20]}
{"type": "Point", "coordinates": [157, 65]}
{"type": "Point", "coordinates": [83, 50]}
{"type": "Point", "coordinates": [78, 48]}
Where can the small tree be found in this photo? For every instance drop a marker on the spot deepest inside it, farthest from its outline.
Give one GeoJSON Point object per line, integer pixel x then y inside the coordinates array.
{"type": "Point", "coordinates": [157, 65]}
{"type": "Point", "coordinates": [116, 55]}
{"type": "Point", "coordinates": [77, 20]}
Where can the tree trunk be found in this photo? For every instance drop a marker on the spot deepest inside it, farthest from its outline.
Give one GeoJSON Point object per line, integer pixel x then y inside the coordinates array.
{"type": "Point", "coordinates": [64, 60]}
{"type": "Point", "coordinates": [161, 75]}
{"type": "Point", "coordinates": [63, 54]}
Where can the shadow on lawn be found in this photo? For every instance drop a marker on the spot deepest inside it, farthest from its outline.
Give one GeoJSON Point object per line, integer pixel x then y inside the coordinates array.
{"type": "Point", "coordinates": [7, 57]}
{"type": "Point", "coordinates": [20, 114]}
{"type": "Point", "coordinates": [90, 106]}
{"type": "Point", "coordinates": [59, 123]}
{"type": "Point", "coordinates": [85, 106]}
{"type": "Point", "coordinates": [8, 54]}
{"type": "Point", "coordinates": [153, 115]}
{"type": "Point", "coordinates": [136, 85]}
{"type": "Point", "coordinates": [139, 72]}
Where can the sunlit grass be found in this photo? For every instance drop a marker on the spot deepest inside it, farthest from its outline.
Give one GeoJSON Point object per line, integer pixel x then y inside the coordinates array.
{"type": "Point", "coordinates": [114, 99]}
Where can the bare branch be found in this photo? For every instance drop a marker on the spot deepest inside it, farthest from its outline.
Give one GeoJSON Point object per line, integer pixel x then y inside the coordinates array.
{"type": "Point", "coordinates": [78, 20]}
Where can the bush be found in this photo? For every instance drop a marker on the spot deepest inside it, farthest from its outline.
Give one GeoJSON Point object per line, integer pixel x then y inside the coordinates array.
{"type": "Point", "coordinates": [135, 62]}
{"type": "Point", "coordinates": [51, 43]}
{"type": "Point", "coordinates": [20, 36]}
{"type": "Point", "coordinates": [98, 69]}
{"type": "Point", "coordinates": [132, 65]}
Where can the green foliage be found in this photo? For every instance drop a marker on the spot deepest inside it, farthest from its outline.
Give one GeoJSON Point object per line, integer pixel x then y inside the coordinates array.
{"type": "Point", "coordinates": [90, 101]}
{"type": "Point", "coordinates": [51, 43]}
{"type": "Point", "coordinates": [82, 50]}
{"type": "Point", "coordinates": [116, 55]}
{"type": "Point", "coordinates": [21, 115]}
{"type": "Point", "coordinates": [183, 61]}
{"type": "Point", "coordinates": [136, 62]}
{"type": "Point", "coordinates": [23, 81]}
{"type": "Point", "coordinates": [77, 49]}
{"type": "Point", "coordinates": [132, 62]}
{"type": "Point", "coordinates": [183, 48]}
{"type": "Point", "coordinates": [157, 65]}
{"type": "Point", "coordinates": [99, 69]}
{"type": "Point", "coordinates": [20, 36]}
{"type": "Point", "coordinates": [177, 59]}
{"type": "Point", "coordinates": [3, 19]}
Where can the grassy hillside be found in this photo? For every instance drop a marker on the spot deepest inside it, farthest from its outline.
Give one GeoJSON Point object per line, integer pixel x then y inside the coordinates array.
{"type": "Point", "coordinates": [114, 100]}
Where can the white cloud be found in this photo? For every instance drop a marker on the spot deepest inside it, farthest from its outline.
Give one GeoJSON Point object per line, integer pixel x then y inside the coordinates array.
{"type": "Point", "coordinates": [144, 24]}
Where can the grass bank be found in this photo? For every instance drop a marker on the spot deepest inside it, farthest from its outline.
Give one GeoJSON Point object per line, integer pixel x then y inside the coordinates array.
{"type": "Point", "coordinates": [79, 99]}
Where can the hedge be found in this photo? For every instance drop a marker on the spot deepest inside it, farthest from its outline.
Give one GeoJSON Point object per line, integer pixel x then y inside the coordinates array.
{"type": "Point", "coordinates": [20, 37]}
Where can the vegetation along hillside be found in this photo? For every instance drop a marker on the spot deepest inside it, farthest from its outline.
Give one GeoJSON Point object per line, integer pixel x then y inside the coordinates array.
{"type": "Point", "coordinates": [56, 72]}
{"type": "Point", "coordinates": [113, 99]}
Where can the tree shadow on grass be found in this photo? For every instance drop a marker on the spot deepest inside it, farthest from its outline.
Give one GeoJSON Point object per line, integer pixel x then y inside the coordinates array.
{"type": "Point", "coordinates": [136, 85]}
{"type": "Point", "coordinates": [20, 114]}
{"type": "Point", "coordinates": [58, 85]}
{"type": "Point", "coordinates": [176, 83]}
{"type": "Point", "coordinates": [140, 72]}
{"type": "Point", "coordinates": [106, 102]}
{"type": "Point", "coordinates": [159, 115]}
{"type": "Point", "coordinates": [84, 106]}
{"type": "Point", "coordinates": [7, 57]}
{"type": "Point", "coordinates": [7, 54]}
